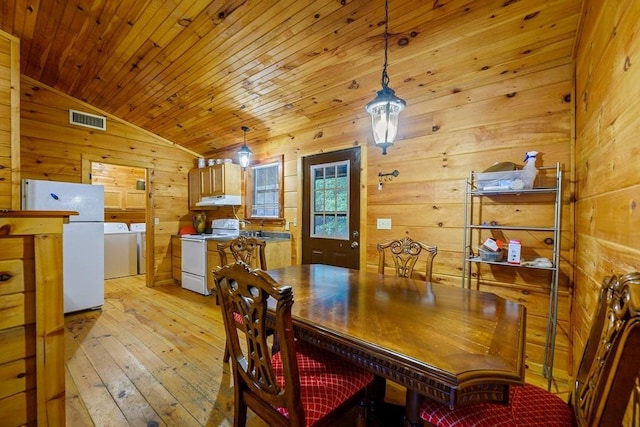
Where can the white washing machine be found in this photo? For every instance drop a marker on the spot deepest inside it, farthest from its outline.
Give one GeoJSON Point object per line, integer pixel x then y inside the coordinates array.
{"type": "Point", "coordinates": [120, 251]}
{"type": "Point", "coordinates": [140, 228]}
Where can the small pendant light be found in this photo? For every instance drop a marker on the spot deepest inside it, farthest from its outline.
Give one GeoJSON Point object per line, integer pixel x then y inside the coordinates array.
{"type": "Point", "coordinates": [244, 154]}
{"type": "Point", "coordinates": [386, 106]}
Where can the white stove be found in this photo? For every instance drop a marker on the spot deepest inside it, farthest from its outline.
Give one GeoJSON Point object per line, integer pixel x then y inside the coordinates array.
{"type": "Point", "coordinates": [194, 253]}
{"type": "Point", "coordinates": [220, 229]}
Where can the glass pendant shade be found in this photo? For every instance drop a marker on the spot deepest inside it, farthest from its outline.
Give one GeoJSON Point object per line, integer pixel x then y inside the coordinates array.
{"type": "Point", "coordinates": [244, 154]}
{"type": "Point", "coordinates": [385, 109]}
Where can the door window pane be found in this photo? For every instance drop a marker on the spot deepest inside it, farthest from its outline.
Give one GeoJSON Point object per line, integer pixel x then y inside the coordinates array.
{"type": "Point", "coordinates": [330, 192]}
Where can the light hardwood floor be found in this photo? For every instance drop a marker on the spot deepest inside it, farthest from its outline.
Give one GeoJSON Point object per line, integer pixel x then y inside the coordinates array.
{"type": "Point", "coordinates": [153, 357]}
{"type": "Point", "coordinates": [150, 357]}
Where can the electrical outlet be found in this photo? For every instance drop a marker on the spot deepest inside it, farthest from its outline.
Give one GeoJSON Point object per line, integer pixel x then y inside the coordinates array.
{"type": "Point", "coordinates": [384, 223]}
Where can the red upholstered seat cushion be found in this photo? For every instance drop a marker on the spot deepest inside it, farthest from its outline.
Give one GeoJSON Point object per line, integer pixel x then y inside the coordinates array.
{"type": "Point", "coordinates": [238, 317]}
{"type": "Point", "coordinates": [529, 406]}
{"type": "Point", "coordinates": [326, 380]}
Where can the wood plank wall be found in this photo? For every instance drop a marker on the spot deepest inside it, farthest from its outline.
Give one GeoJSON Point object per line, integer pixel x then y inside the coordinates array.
{"type": "Point", "coordinates": [607, 151]}
{"type": "Point", "coordinates": [53, 149]}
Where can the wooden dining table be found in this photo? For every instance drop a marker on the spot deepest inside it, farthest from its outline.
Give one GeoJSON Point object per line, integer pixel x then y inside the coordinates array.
{"type": "Point", "coordinates": [455, 345]}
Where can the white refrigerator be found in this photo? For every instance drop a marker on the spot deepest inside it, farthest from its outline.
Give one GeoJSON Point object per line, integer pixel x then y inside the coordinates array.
{"type": "Point", "coordinates": [82, 237]}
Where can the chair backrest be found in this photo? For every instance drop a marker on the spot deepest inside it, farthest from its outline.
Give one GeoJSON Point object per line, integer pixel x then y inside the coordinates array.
{"type": "Point", "coordinates": [405, 253]}
{"type": "Point", "coordinates": [247, 249]}
{"type": "Point", "coordinates": [610, 364]}
{"type": "Point", "coordinates": [246, 291]}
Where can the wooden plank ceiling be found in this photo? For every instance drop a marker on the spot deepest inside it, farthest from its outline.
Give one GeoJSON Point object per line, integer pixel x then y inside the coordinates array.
{"type": "Point", "coordinates": [195, 71]}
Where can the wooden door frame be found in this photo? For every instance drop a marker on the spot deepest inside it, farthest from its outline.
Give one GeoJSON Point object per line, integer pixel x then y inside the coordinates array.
{"type": "Point", "coordinates": [297, 232]}
{"type": "Point", "coordinates": [89, 159]}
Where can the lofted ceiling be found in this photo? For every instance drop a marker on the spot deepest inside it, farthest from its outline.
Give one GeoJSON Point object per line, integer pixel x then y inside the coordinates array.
{"type": "Point", "coordinates": [195, 71]}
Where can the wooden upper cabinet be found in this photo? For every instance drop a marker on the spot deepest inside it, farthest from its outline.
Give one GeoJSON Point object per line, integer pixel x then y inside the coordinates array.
{"type": "Point", "coordinates": [220, 179]}
{"type": "Point", "coordinates": [124, 199]}
{"type": "Point", "coordinates": [135, 199]}
{"type": "Point", "coordinates": [216, 180]}
{"type": "Point", "coordinates": [10, 122]}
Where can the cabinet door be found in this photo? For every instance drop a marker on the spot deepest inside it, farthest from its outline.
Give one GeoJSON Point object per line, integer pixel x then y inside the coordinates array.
{"type": "Point", "coordinates": [135, 199]}
{"type": "Point", "coordinates": [214, 180]}
{"type": "Point", "coordinates": [112, 199]}
{"type": "Point", "coordinates": [207, 181]}
{"type": "Point", "coordinates": [231, 178]}
{"type": "Point", "coordinates": [217, 180]}
{"type": "Point", "coordinates": [278, 254]}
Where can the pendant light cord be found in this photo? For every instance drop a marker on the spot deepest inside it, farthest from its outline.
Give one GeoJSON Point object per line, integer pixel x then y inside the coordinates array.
{"type": "Point", "coordinates": [385, 76]}
{"type": "Point", "coordinates": [245, 129]}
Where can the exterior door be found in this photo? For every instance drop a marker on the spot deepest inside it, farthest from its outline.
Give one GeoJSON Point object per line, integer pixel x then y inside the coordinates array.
{"type": "Point", "coordinates": [331, 209]}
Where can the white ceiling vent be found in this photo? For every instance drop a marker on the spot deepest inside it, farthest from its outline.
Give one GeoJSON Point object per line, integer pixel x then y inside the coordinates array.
{"type": "Point", "coordinates": [87, 120]}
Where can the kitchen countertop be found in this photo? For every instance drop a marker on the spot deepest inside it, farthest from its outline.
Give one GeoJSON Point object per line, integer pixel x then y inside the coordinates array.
{"type": "Point", "coordinates": [270, 235]}
{"type": "Point", "coordinates": [267, 236]}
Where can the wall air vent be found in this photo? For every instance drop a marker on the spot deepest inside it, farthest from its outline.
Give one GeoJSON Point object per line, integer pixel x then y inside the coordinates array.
{"type": "Point", "coordinates": [87, 120]}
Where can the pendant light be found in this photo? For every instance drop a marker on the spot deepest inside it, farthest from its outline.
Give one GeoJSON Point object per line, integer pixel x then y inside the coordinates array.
{"type": "Point", "coordinates": [386, 106]}
{"type": "Point", "coordinates": [244, 154]}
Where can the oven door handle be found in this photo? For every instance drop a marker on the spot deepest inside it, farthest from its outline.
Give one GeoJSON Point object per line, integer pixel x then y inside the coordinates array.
{"type": "Point", "coordinates": [192, 239]}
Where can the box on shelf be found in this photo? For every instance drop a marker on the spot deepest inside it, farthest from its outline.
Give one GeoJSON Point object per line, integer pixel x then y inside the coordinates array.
{"type": "Point", "coordinates": [493, 244]}
{"type": "Point", "coordinates": [487, 255]}
{"type": "Point", "coordinates": [508, 180]}
{"type": "Point", "coordinates": [513, 256]}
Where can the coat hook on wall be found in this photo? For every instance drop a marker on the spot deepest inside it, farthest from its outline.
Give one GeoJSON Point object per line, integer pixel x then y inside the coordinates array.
{"type": "Point", "coordinates": [386, 177]}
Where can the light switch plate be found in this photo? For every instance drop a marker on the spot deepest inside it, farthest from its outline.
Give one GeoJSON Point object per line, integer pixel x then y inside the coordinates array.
{"type": "Point", "coordinates": [384, 223]}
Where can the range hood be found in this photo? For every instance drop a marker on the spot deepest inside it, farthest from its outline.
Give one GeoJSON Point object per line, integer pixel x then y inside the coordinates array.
{"type": "Point", "coordinates": [225, 200]}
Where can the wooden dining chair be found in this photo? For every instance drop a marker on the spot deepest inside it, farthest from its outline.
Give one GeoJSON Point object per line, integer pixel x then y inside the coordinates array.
{"type": "Point", "coordinates": [603, 386]}
{"type": "Point", "coordinates": [405, 254]}
{"type": "Point", "coordinates": [248, 249]}
{"type": "Point", "coordinates": [252, 252]}
{"type": "Point", "coordinates": [300, 384]}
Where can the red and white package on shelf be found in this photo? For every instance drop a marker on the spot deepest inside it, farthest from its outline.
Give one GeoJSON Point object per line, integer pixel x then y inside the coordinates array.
{"type": "Point", "coordinates": [513, 254]}
{"type": "Point", "coordinates": [492, 244]}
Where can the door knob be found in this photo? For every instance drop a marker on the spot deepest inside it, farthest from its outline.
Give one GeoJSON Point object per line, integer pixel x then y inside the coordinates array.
{"type": "Point", "coordinates": [354, 245]}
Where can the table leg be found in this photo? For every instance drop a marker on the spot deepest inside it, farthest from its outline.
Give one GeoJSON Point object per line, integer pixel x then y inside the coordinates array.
{"type": "Point", "coordinates": [413, 403]}
{"type": "Point", "coordinates": [376, 398]}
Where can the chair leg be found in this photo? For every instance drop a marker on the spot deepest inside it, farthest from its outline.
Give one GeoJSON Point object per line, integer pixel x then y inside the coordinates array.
{"type": "Point", "coordinates": [226, 356]}
{"type": "Point", "coordinates": [239, 411]}
{"type": "Point", "coordinates": [377, 392]}
{"type": "Point", "coordinates": [361, 413]}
